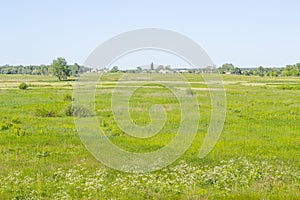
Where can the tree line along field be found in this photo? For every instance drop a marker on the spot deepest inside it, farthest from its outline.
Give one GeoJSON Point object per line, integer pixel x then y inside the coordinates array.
{"type": "Point", "coordinates": [256, 157]}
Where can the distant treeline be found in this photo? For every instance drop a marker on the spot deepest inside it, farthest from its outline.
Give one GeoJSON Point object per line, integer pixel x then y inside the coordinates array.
{"type": "Point", "coordinates": [228, 68]}
{"type": "Point", "coordinates": [75, 69]}
{"type": "Point", "coordinates": [289, 70]}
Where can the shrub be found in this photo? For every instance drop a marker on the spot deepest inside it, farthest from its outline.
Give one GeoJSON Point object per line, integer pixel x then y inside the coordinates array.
{"type": "Point", "coordinates": [16, 120]}
{"type": "Point", "coordinates": [68, 110]}
{"type": "Point", "coordinates": [77, 111]}
{"type": "Point", "coordinates": [5, 126]}
{"type": "Point", "coordinates": [23, 86]}
{"type": "Point", "coordinates": [67, 97]}
{"type": "Point", "coordinates": [43, 154]}
{"type": "Point", "coordinates": [18, 131]}
{"type": "Point", "coordinates": [43, 112]}
{"type": "Point", "coordinates": [289, 87]}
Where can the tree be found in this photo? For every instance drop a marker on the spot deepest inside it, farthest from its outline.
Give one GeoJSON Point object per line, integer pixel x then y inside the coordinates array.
{"type": "Point", "coordinates": [115, 69]}
{"type": "Point", "coordinates": [60, 68]}
{"type": "Point", "coordinates": [227, 67]}
{"type": "Point", "coordinates": [151, 66]}
{"type": "Point", "coordinates": [274, 73]}
{"type": "Point", "coordinates": [260, 71]}
{"type": "Point", "coordinates": [294, 71]}
{"type": "Point", "coordinates": [139, 69]}
{"type": "Point", "coordinates": [75, 69]}
{"type": "Point", "coordinates": [237, 70]}
{"type": "Point", "coordinates": [159, 67]}
{"type": "Point", "coordinates": [298, 66]}
{"type": "Point", "coordinates": [291, 70]}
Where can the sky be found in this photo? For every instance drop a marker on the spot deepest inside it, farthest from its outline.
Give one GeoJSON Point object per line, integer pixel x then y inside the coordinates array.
{"type": "Point", "coordinates": [245, 33]}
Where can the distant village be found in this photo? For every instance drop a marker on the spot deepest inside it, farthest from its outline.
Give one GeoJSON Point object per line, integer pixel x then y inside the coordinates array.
{"type": "Point", "coordinates": [289, 70]}
{"type": "Point", "coordinates": [228, 68]}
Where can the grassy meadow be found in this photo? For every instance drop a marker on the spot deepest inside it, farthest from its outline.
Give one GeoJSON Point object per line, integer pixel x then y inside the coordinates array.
{"type": "Point", "coordinates": [256, 157]}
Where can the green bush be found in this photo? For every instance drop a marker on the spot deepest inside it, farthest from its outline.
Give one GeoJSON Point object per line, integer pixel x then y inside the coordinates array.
{"type": "Point", "coordinates": [18, 131]}
{"type": "Point", "coordinates": [43, 112]}
{"type": "Point", "coordinates": [67, 97]}
{"type": "Point", "coordinates": [5, 126]}
{"type": "Point", "coordinates": [23, 86]}
{"type": "Point", "coordinates": [16, 120]}
{"type": "Point", "coordinates": [77, 111]}
{"type": "Point", "coordinates": [68, 110]}
{"type": "Point", "coordinates": [289, 87]}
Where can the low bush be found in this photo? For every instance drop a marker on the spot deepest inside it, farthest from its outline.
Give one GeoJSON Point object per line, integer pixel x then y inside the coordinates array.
{"type": "Point", "coordinates": [44, 112]}
{"type": "Point", "coordinates": [23, 86]}
{"type": "Point", "coordinates": [16, 120]}
{"type": "Point", "coordinates": [67, 97]}
{"type": "Point", "coordinates": [5, 126]}
{"type": "Point", "coordinates": [289, 87]}
{"type": "Point", "coordinates": [77, 111]}
{"type": "Point", "coordinates": [18, 131]}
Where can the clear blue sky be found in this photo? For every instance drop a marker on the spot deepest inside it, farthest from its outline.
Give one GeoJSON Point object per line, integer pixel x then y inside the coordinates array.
{"type": "Point", "coordinates": [246, 33]}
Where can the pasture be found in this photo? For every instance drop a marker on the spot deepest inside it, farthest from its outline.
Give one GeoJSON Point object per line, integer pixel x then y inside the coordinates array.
{"type": "Point", "coordinates": [256, 157]}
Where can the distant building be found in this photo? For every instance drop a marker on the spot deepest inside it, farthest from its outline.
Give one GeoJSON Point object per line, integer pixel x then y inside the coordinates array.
{"type": "Point", "coordinates": [95, 70]}
{"type": "Point", "coordinates": [183, 71]}
{"type": "Point", "coordinates": [165, 71]}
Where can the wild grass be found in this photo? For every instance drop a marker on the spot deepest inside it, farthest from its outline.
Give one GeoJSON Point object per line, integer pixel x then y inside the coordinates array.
{"type": "Point", "coordinates": [256, 157]}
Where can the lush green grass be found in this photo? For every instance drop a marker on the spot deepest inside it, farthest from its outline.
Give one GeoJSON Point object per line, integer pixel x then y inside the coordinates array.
{"type": "Point", "coordinates": [256, 157]}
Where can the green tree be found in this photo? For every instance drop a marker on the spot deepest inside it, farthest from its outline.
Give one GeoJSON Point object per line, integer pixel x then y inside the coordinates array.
{"type": "Point", "coordinates": [115, 69]}
{"type": "Point", "coordinates": [286, 73]}
{"type": "Point", "coordinates": [236, 71]}
{"type": "Point", "coordinates": [294, 71]}
{"type": "Point", "coordinates": [139, 69]}
{"type": "Point", "coordinates": [75, 69]}
{"type": "Point", "coordinates": [227, 67]}
{"type": "Point", "coordinates": [298, 66]}
{"type": "Point", "coordinates": [261, 71]}
{"type": "Point", "coordinates": [60, 68]}
{"type": "Point", "coordinates": [291, 70]}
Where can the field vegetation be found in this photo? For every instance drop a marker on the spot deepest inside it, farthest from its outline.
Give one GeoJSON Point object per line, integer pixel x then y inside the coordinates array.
{"type": "Point", "coordinates": [256, 157]}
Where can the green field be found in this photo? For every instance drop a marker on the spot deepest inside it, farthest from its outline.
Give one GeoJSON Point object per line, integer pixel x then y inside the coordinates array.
{"type": "Point", "coordinates": [256, 157]}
